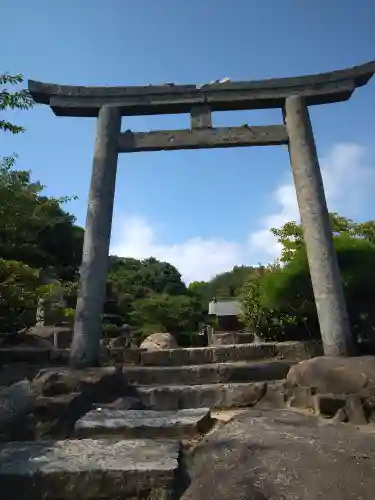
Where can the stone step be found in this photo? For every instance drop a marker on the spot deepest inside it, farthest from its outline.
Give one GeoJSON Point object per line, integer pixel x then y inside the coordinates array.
{"type": "Point", "coordinates": [136, 424]}
{"type": "Point", "coordinates": [222, 396]}
{"type": "Point", "coordinates": [214, 373]}
{"type": "Point", "coordinates": [232, 338]}
{"type": "Point", "coordinates": [88, 469]}
{"type": "Point", "coordinates": [222, 353]}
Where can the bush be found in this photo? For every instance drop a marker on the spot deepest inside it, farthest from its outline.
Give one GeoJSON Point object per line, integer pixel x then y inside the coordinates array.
{"type": "Point", "coordinates": [18, 295]}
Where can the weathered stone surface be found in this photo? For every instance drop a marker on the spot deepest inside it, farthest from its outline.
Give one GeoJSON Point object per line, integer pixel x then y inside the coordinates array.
{"type": "Point", "coordinates": [123, 403]}
{"type": "Point", "coordinates": [214, 373]}
{"type": "Point", "coordinates": [282, 455]}
{"type": "Point", "coordinates": [340, 416]}
{"type": "Point", "coordinates": [11, 373]}
{"type": "Point", "coordinates": [26, 339]}
{"type": "Point", "coordinates": [66, 394]}
{"type": "Point", "coordinates": [62, 334]}
{"type": "Point", "coordinates": [85, 101]}
{"type": "Point", "coordinates": [172, 397]}
{"type": "Point", "coordinates": [144, 423]}
{"type": "Point", "coordinates": [328, 404]}
{"type": "Point", "coordinates": [16, 402]}
{"type": "Point", "coordinates": [31, 355]}
{"type": "Point", "coordinates": [222, 353]}
{"type": "Point", "coordinates": [55, 381]}
{"type": "Point", "coordinates": [354, 410]}
{"type": "Point", "coordinates": [55, 415]}
{"type": "Point", "coordinates": [351, 380]}
{"type": "Point", "coordinates": [231, 338]}
{"type": "Point", "coordinates": [317, 231]}
{"type": "Point", "coordinates": [335, 375]}
{"type": "Point", "coordinates": [158, 341]}
{"type": "Point", "coordinates": [88, 469]}
{"type": "Point", "coordinates": [301, 397]}
{"type": "Point", "coordinates": [298, 349]}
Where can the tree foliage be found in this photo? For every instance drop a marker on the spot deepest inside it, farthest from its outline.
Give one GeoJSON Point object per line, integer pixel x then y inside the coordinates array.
{"type": "Point", "coordinates": [166, 313]}
{"type": "Point", "coordinates": [34, 228]}
{"type": "Point", "coordinates": [13, 100]}
{"type": "Point", "coordinates": [18, 294]}
{"type": "Point", "coordinates": [223, 286]}
{"type": "Point", "coordinates": [279, 304]}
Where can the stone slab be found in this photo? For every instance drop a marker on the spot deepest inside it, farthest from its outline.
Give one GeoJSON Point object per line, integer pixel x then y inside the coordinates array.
{"type": "Point", "coordinates": [144, 423]}
{"type": "Point", "coordinates": [214, 373]}
{"type": "Point", "coordinates": [222, 353]}
{"type": "Point", "coordinates": [88, 469]}
{"type": "Point", "coordinates": [222, 396]}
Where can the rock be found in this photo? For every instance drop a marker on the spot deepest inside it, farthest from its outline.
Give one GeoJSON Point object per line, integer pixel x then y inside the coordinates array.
{"type": "Point", "coordinates": [65, 395]}
{"type": "Point", "coordinates": [26, 340]}
{"type": "Point", "coordinates": [340, 416]}
{"type": "Point", "coordinates": [282, 455]}
{"type": "Point", "coordinates": [62, 334]}
{"type": "Point", "coordinates": [158, 341]}
{"type": "Point", "coordinates": [55, 381]}
{"type": "Point", "coordinates": [127, 403]}
{"type": "Point", "coordinates": [301, 397]}
{"type": "Point", "coordinates": [123, 341]}
{"type": "Point", "coordinates": [328, 404]}
{"type": "Point", "coordinates": [335, 375]}
{"type": "Point", "coordinates": [345, 377]}
{"type": "Point", "coordinates": [16, 403]}
{"type": "Point", "coordinates": [89, 469]}
{"type": "Point", "coordinates": [354, 411]}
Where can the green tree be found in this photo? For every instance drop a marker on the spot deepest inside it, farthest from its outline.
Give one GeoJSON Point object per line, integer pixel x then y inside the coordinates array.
{"type": "Point", "coordinates": [166, 313]}
{"type": "Point", "coordinates": [13, 100]}
{"type": "Point", "coordinates": [223, 286]}
{"type": "Point", "coordinates": [290, 235]}
{"type": "Point", "coordinates": [279, 302]}
{"type": "Point", "coordinates": [34, 229]}
{"type": "Point", "coordinates": [18, 295]}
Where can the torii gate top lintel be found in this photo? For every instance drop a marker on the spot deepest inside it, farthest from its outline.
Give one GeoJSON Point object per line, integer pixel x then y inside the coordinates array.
{"type": "Point", "coordinates": [317, 89]}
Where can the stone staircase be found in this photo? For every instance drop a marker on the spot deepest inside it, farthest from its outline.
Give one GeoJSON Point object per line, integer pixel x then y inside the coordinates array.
{"type": "Point", "coordinates": [132, 448]}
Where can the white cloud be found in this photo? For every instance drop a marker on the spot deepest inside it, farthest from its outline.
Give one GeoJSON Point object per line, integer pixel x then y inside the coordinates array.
{"type": "Point", "coordinates": [196, 258]}
{"type": "Point", "coordinates": [347, 181]}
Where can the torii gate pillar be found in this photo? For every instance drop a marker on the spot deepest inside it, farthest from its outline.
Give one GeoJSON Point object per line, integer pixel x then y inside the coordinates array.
{"type": "Point", "coordinates": [94, 268]}
{"type": "Point", "coordinates": [317, 230]}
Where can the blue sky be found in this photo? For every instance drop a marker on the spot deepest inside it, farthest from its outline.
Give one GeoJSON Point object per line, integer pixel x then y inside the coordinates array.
{"type": "Point", "coordinates": [207, 210]}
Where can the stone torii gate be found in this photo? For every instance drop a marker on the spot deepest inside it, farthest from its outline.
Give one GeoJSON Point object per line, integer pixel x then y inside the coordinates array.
{"type": "Point", "coordinates": [292, 95]}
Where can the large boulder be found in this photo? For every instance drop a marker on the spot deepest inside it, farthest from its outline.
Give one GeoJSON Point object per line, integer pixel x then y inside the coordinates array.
{"type": "Point", "coordinates": [66, 394]}
{"type": "Point", "coordinates": [158, 341]}
{"type": "Point", "coordinates": [62, 334]}
{"type": "Point", "coordinates": [335, 375]}
{"type": "Point", "coordinates": [282, 455]}
{"type": "Point", "coordinates": [103, 381]}
{"type": "Point", "coordinates": [334, 385]}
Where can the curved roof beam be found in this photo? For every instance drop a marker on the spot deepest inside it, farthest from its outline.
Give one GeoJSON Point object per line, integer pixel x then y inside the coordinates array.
{"type": "Point", "coordinates": [322, 88]}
